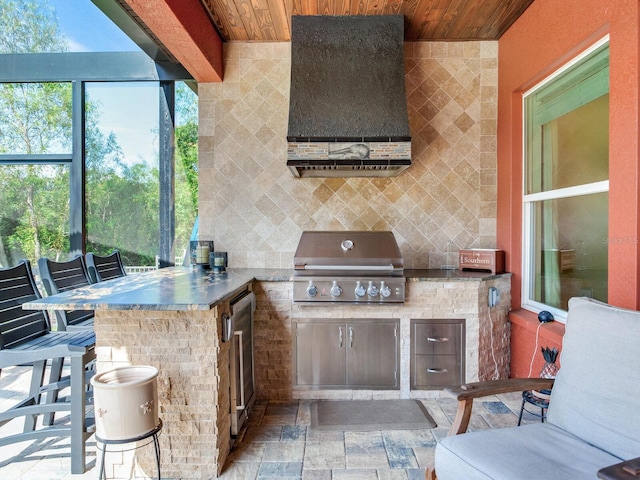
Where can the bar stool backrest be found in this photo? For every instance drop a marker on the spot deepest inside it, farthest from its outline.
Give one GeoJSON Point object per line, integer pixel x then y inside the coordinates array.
{"type": "Point", "coordinates": [59, 277]}
{"type": "Point", "coordinates": [103, 268]}
{"type": "Point", "coordinates": [17, 326]}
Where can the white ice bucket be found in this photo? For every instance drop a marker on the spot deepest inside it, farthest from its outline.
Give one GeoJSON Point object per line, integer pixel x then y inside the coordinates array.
{"type": "Point", "coordinates": [126, 402]}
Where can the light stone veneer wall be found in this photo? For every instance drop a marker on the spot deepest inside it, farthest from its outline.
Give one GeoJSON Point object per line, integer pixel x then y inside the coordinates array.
{"type": "Point", "coordinates": [253, 208]}
{"type": "Point", "coordinates": [193, 388]}
{"type": "Point", "coordinates": [487, 333]}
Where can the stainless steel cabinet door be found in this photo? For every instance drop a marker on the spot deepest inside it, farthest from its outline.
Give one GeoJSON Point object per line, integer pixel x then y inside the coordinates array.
{"type": "Point", "coordinates": [372, 354]}
{"type": "Point", "coordinates": [437, 338]}
{"type": "Point", "coordinates": [436, 371]}
{"type": "Point", "coordinates": [437, 353]}
{"type": "Point", "coordinates": [320, 354]}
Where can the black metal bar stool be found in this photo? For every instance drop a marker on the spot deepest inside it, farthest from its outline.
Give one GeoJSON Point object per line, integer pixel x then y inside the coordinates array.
{"type": "Point", "coordinates": [537, 399]}
{"type": "Point", "coordinates": [156, 443]}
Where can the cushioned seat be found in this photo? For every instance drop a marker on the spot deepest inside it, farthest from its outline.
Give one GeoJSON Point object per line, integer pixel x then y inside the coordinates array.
{"type": "Point", "coordinates": [547, 452]}
{"type": "Point", "coordinates": [592, 420]}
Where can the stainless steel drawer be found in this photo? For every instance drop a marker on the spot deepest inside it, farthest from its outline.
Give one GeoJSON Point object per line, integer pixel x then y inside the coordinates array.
{"type": "Point", "coordinates": [437, 338]}
{"type": "Point", "coordinates": [434, 371]}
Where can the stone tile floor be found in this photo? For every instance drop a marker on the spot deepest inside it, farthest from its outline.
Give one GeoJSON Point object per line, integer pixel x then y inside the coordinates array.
{"type": "Point", "coordinates": [278, 443]}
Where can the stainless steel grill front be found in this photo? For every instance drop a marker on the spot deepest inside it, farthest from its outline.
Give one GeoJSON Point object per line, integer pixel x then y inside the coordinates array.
{"type": "Point", "coordinates": [348, 266]}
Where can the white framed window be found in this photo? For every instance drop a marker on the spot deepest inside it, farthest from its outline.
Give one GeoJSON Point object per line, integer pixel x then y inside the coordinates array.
{"type": "Point", "coordinates": [566, 184]}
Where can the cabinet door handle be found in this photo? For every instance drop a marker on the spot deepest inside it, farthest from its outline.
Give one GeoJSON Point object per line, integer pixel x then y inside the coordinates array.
{"type": "Point", "coordinates": [227, 327]}
{"type": "Point", "coordinates": [350, 337]}
{"type": "Point", "coordinates": [340, 329]}
{"type": "Point", "coordinates": [437, 339]}
{"type": "Point", "coordinates": [240, 406]}
{"type": "Point", "coordinates": [437, 370]}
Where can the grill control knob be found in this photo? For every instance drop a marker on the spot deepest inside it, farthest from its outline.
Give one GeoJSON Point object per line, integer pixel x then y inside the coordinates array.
{"type": "Point", "coordinates": [360, 290]}
{"type": "Point", "coordinates": [336, 290]}
{"type": "Point", "coordinates": [385, 291]}
{"type": "Point", "coordinates": [372, 291]}
{"type": "Point", "coordinates": [312, 290]}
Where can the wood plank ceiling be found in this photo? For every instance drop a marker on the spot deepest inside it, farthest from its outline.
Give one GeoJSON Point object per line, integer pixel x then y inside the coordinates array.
{"type": "Point", "coordinates": [428, 20]}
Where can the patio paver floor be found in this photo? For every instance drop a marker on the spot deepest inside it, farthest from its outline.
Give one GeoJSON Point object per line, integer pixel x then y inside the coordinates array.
{"type": "Point", "coordinates": [278, 443]}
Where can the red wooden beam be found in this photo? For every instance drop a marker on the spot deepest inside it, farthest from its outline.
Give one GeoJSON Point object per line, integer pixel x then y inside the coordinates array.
{"type": "Point", "coordinates": [185, 29]}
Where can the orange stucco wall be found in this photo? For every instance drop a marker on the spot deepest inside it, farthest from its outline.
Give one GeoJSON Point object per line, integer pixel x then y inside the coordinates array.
{"type": "Point", "coordinates": [546, 36]}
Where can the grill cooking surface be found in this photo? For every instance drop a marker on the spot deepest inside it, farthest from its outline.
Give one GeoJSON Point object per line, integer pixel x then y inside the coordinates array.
{"type": "Point", "coordinates": [357, 267]}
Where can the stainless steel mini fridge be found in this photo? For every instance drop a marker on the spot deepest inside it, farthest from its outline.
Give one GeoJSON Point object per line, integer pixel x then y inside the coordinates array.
{"type": "Point", "coordinates": [241, 360]}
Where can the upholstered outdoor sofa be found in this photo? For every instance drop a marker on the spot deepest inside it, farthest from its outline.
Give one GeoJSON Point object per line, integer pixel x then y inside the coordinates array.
{"type": "Point", "coordinates": [593, 419]}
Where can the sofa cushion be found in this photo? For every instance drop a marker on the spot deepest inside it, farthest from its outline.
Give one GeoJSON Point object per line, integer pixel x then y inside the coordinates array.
{"type": "Point", "coordinates": [538, 450]}
{"type": "Point", "coordinates": [595, 396]}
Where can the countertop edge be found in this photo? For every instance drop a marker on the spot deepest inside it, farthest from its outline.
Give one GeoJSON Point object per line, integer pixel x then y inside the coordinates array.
{"type": "Point", "coordinates": [437, 275]}
{"type": "Point", "coordinates": [411, 275]}
{"type": "Point", "coordinates": [161, 291]}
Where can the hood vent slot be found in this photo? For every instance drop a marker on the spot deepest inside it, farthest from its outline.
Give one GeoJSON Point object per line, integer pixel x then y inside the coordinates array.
{"type": "Point", "coordinates": [348, 108]}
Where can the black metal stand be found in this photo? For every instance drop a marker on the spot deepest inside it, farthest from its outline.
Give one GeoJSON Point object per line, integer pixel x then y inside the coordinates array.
{"type": "Point", "coordinates": [531, 398]}
{"type": "Point", "coordinates": [153, 433]}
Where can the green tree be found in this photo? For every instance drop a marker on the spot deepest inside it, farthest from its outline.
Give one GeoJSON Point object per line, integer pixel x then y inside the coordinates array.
{"type": "Point", "coordinates": [186, 164]}
{"type": "Point", "coordinates": [34, 119]}
{"type": "Point", "coordinates": [34, 216]}
{"type": "Point", "coordinates": [187, 158]}
{"type": "Point", "coordinates": [122, 200]}
{"type": "Point", "coordinates": [29, 26]}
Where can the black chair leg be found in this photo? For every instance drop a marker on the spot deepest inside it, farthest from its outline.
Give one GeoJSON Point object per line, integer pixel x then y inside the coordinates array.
{"type": "Point", "coordinates": [156, 444]}
{"type": "Point", "coordinates": [102, 475]}
{"type": "Point", "coordinates": [521, 412]}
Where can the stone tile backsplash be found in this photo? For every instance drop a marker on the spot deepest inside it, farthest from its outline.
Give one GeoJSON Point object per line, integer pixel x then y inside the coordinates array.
{"type": "Point", "coordinates": [253, 208]}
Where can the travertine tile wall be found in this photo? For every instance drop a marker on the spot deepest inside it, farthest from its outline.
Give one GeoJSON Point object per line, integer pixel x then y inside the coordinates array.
{"type": "Point", "coordinates": [253, 208]}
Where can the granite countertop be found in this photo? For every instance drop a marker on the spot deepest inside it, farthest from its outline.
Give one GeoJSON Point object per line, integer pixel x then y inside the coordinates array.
{"type": "Point", "coordinates": [189, 288]}
{"type": "Point", "coordinates": [411, 274]}
{"type": "Point", "coordinates": [173, 288]}
{"type": "Point", "coordinates": [438, 275]}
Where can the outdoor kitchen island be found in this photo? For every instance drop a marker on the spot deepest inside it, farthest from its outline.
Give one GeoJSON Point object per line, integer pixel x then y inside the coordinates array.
{"type": "Point", "coordinates": [172, 319]}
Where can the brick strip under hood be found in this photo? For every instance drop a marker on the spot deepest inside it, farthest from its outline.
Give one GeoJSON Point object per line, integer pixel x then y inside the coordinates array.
{"type": "Point", "coordinates": [348, 108]}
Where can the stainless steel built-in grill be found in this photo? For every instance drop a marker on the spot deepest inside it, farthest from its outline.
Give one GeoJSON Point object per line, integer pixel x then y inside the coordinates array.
{"type": "Point", "coordinates": [354, 267]}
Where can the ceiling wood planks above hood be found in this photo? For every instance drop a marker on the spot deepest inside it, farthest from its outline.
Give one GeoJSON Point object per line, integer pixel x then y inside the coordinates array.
{"type": "Point", "coordinates": [425, 20]}
{"type": "Point", "coordinates": [192, 31]}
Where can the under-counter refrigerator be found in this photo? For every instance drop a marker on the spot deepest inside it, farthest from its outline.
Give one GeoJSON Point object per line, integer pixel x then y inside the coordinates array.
{"type": "Point", "coordinates": [241, 360]}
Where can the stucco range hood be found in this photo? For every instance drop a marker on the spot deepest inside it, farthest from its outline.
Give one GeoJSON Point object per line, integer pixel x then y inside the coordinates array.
{"type": "Point", "coordinates": [348, 108]}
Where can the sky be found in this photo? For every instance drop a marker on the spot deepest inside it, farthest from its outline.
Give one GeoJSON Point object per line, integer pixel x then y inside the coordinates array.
{"type": "Point", "coordinates": [88, 30]}
{"type": "Point", "coordinates": [128, 110]}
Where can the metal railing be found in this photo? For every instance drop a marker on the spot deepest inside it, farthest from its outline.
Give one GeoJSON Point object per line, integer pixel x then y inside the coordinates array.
{"type": "Point", "coordinates": [139, 269]}
{"type": "Point", "coordinates": [133, 269]}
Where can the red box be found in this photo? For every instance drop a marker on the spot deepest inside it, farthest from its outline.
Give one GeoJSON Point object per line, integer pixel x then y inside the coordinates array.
{"type": "Point", "coordinates": [482, 259]}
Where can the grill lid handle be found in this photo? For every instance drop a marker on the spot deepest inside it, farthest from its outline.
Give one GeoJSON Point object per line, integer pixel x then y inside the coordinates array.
{"type": "Point", "coordinates": [383, 268]}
